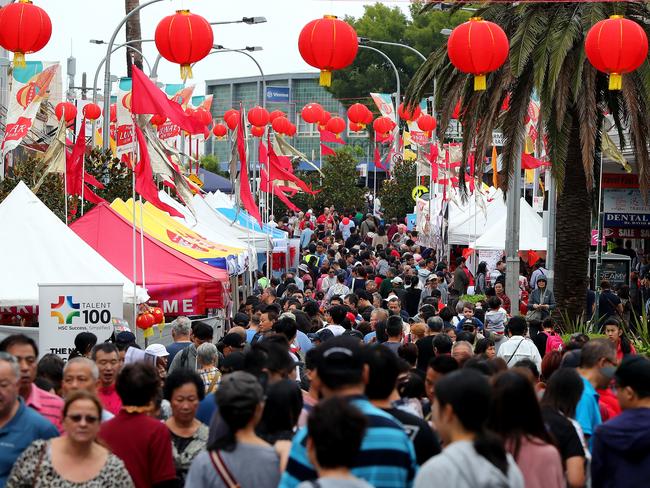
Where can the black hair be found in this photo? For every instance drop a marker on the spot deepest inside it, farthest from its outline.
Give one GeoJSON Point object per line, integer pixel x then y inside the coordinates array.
{"type": "Point", "coordinates": [302, 321]}
{"type": "Point", "coordinates": [494, 303]}
{"type": "Point", "coordinates": [478, 364]}
{"type": "Point", "coordinates": [105, 347]}
{"type": "Point", "coordinates": [336, 429]}
{"type": "Point", "coordinates": [517, 325]}
{"type": "Point", "coordinates": [411, 386]}
{"type": "Point", "coordinates": [482, 345]}
{"type": "Point", "coordinates": [409, 353]}
{"type": "Point", "coordinates": [50, 367]}
{"type": "Point", "coordinates": [563, 391]}
{"type": "Point", "coordinates": [180, 377]}
{"type": "Point", "coordinates": [281, 411]}
{"type": "Point", "coordinates": [234, 419]}
{"type": "Point", "coordinates": [202, 331]}
{"type": "Point", "coordinates": [634, 371]}
{"type": "Point", "coordinates": [137, 384]}
{"type": "Point", "coordinates": [18, 340]}
{"type": "Point", "coordinates": [529, 365]}
{"type": "Point", "coordinates": [442, 344]}
{"type": "Point", "coordinates": [443, 364]}
{"type": "Point", "coordinates": [383, 371]}
{"type": "Point", "coordinates": [311, 308]}
{"type": "Point", "coordinates": [446, 314]}
{"type": "Point", "coordinates": [463, 390]}
{"type": "Point", "coordinates": [626, 345]}
{"type": "Point", "coordinates": [333, 374]}
{"type": "Point", "coordinates": [83, 344]}
{"type": "Point", "coordinates": [352, 298]}
{"type": "Point", "coordinates": [338, 312]}
{"type": "Point", "coordinates": [380, 331]}
{"type": "Point", "coordinates": [287, 327]}
{"type": "Point", "coordinates": [515, 413]}
{"type": "Point", "coordinates": [435, 324]}
{"type": "Point", "coordinates": [394, 326]}
{"type": "Point", "coordinates": [466, 336]}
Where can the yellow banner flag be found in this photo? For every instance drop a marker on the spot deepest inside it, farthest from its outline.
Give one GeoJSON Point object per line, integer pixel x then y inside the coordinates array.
{"type": "Point", "coordinates": [495, 172]}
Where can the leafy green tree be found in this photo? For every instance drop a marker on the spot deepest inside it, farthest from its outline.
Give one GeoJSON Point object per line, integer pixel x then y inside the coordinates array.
{"type": "Point", "coordinates": [370, 72]}
{"type": "Point", "coordinates": [395, 193]}
{"type": "Point", "coordinates": [211, 163]}
{"type": "Point", "coordinates": [547, 56]}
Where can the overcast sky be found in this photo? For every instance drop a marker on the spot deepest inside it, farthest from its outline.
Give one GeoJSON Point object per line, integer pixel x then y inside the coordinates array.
{"type": "Point", "coordinates": [75, 22]}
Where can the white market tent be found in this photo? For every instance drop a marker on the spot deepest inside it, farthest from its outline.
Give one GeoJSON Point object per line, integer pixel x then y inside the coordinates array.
{"type": "Point", "coordinates": [470, 219]}
{"type": "Point", "coordinates": [37, 247]}
{"type": "Point", "coordinates": [531, 236]}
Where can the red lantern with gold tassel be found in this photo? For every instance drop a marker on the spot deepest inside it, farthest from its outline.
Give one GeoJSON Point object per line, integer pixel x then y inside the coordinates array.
{"type": "Point", "coordinates": [258, 116]}
{"type": "Point", "coordinates": [219, 130]}
{"type": "Point", "coordinates": [231, 118]}
{"type": "Point", "coordinates": [616, 46]}
{"type": "Point", "coordinates": [426, 123]}
{"type": "Point", "coordinates": [24, 28]}
{"type": "Point", "coordinates": [66, 111]}
{"type": "Point", "coordinates": [257, 131]}
{"type": "Point", "coordinates": [478, 47]}
{"type": "Point", "coordinates": [92, 111]}
{"type": "Point", "coordinates": [408, 113]}
{"type": "Point", "coordinates": [335, 125]}
{"type": "Point", "coordinates": [184, 38]}
{"type": "Point", "coordinates": [328, 44]}
{"type": "Point", "coordinates": [281, 125]}
{"type": "Point", "coordinates": [312, 113]}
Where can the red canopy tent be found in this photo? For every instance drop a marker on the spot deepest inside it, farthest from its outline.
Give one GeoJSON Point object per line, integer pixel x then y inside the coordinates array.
{"type": "Point", "coordinates": [179, 284]}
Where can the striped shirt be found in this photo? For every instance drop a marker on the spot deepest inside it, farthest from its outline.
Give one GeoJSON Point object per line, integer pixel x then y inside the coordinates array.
{"type": "Point", "coordinates": [47, 404]}
{"type": "Point", "coordinates": [386, 459]}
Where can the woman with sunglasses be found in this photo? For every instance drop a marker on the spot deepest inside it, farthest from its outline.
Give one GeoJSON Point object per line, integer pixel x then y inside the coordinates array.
{"type": "Point", "coordinates": [75, 459]}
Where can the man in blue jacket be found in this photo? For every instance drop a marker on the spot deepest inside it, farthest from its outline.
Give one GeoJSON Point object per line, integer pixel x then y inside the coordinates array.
{"type": "Point", "coordinates": [621, 446]}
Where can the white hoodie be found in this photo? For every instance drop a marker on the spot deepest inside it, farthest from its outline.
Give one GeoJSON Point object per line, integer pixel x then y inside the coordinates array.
{"type": "Point", "coordinates": [460, 466]}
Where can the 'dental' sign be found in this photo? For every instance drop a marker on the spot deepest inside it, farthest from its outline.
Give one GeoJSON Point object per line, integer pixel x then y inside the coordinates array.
{"type": "Point", "coordinates": [66, 310]}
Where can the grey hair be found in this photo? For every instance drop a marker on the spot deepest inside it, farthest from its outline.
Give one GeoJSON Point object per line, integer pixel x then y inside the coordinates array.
{"type": "Point", "coordinates": [94, 371]}
{"type": "Point", "coordinates": [459, 306]}
{"type": "Point", "coordinates": [181, 326]}
{"type": "Point", "coordinates": [466, 344]}
{"type": "Point", "coordinates": [206, 354]}
{"type": "Point", "coordinates": [13, 362]}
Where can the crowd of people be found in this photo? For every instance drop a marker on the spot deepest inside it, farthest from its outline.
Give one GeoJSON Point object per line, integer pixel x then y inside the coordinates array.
{"type": "Point", "coordinates": [368, 367]}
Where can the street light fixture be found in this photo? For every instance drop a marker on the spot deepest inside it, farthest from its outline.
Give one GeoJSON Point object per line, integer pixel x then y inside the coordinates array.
{"type": "Point", "coordinates": [244, 20]}
{"type": "Point", "coordinates": [446, 32]}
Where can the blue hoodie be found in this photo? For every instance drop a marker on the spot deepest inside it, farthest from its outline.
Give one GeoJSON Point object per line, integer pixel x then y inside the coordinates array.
{"type": "Point", "coordinates": [621, 450]}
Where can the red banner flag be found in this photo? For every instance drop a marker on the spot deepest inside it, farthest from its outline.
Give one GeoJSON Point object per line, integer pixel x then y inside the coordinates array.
{"type": "Point", "coordinates": [327, 136]}
{"type": "Point", "coordinates": [327, 151]}
{"type": "Point", "coordinates": [147, 98]}
{"type": "Point", "coordinates": [245, 195]}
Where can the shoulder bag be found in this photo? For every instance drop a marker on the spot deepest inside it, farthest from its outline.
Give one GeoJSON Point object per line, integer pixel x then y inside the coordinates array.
{"type": "Point", "coordinates": [222, 470]}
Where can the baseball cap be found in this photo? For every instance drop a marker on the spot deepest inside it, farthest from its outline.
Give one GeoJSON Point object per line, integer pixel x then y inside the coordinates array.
{"type": "Point", "coordinates": [239, 390]}
{"type": "Point", "coordinates": [125, 337]}
{"type": "Point", "coordinates": [321, 335]}
{"type": "Point", "coordinates": [356, 334]}
{"type": "Point", "coordinates": [241, 318]}
{"type": "Point", "coordinates": [157, 350]}
{"type": "Point", "coordinates": [397, 279]}
{"type": "Point", "coordinates": [303, 267]}
{"type": "Point", "coordinates": [233, 339]}
{"type": "Point", "coordinates": [432, 277]}
{"type": "Point", "coordinates": [340, 356]}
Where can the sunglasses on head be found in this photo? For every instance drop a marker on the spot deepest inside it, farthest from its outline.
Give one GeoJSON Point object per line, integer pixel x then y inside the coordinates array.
{"type": "Point", "coordinates": [90, 419]}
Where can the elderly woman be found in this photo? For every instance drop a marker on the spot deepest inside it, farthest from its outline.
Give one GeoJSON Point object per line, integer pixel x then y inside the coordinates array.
{"type": "Point", "coordinates": [207, 358]}
{"type": "Point", "coordinates": [184, 390]}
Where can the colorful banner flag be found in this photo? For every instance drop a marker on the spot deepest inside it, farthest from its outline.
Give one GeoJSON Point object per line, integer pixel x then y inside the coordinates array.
{"type": "Point", "coordinates": [385, 105]}
{"type": "Point", "coordinates": [124, 137]}
{"type": "Point", "coordinates": [29, 87]}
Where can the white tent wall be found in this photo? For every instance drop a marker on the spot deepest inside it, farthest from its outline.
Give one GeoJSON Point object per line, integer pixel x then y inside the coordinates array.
{"type": "Point", "coordinates": [469, 220]}
{"type": "Point", "coordinates": [530, 232]}
{"type": "Point", "coordinates": [37, 247]}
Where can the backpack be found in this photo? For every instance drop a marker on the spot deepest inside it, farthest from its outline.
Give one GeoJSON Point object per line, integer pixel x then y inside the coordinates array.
{"type": "Point", "coordinates": [553, 342]}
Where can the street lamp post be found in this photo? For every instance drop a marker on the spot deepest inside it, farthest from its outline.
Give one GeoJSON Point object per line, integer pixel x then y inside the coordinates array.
{"type": "Point", "coordinates": [107, 69]}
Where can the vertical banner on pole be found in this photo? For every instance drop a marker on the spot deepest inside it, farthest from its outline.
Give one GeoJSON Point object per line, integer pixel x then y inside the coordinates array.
{"type": "Point", "coordinates": [65, 310]}
{"type": "Point", "coordinates": [125, 140]}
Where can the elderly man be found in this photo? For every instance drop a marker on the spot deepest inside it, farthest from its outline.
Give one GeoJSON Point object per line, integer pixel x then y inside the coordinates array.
{"type": "Point", "coordinates": [181, 330]}
{"type": "Point", "coordinates": [376, 316]}
{"type": "Point", "coordinates": [19, 425]}
{"type": "Point", "coordinates": [461, 351]}
{"type": "Point", "coordinates": [82, 374]}
{"type": "Point", "coordinates": [25, 350]}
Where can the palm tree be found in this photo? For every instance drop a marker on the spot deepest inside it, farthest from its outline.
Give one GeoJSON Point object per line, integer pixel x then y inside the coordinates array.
{"type": "Point", "coordinates": [547, 57]}
{"type": "Point", "coordinates": [133, 32]}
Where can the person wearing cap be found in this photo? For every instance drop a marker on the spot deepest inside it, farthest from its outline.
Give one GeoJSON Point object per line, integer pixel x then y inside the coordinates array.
{"type": "Point", "coordinates": [387, 457]}
{"type": "Point", "coordinates": [398, 288]}
{"type": "Point", "coordinates": [542, 300]}
{"type": "Point", "coordinates": [231, 342]}
{"type": "Point", "coordinates": [236, 453]}
{"type": "Point", "coordinates": [305, 276]}
{"type": "Point", "coordinates": [621, 446]}
{"type": "Point", "coordinates": [161, 354]}
{"type": "Point", "coordinates": [181, 330]}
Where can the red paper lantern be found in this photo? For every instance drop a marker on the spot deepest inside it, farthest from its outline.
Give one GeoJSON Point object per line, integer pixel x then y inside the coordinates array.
{"type": "Point", "coordinates": [281, 125]}
{"type": "Point", "coordinates": [257, 131]}
{"type": "Point", "coordinates": [203, 116]}
{"type": "Point", "coordinates": [478, 47]}
{"type": "Point", "coordinates": [24, 28]}
{"type": "Point", "coordinates": [409, 114]}
{"type": "Point", "coordinates": [231, 118]}
{"type": "Point", "coordinates": [383, 125]}
{"type": "Point", "coordinates": [258, 116]}
{"type": "Point", "coordinates": [358, 113]}
{"type": "Point", "coordinates": [65, 110]}
{"type": "Point", "coordinates": [369, 117]}
{"type": "Point", "coordinates": [275, 114]}
{"type": "Point", "coordinates": [292, 130]}
{"type": "Point", "coordinates": [184, 38]}
{"type": "Point", "coordinates": [145, 321]}
{"type": "Point", "coordinates": [426, 123]}
{"type": "Point", "coordinates": [616, 46]}
{"type": "Point", "coordinates": [158, 120]}
{"type": "Point", "coordinates": [335, 125]}
{"type": "Point", "coordinates": [311, 113]}
{"type": "Point", "coordinates": [357, 127]}
{"type": "Point", "coordinates": [324, 119]}
{"type": "Point", "coordinates": [92, 111]}
{"type": "Point", "coordinates": [220, 130]}
{"type": "Point", "coordinates": [328, 44]}
{"type": "Point", "coordinates": [158, 315]}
